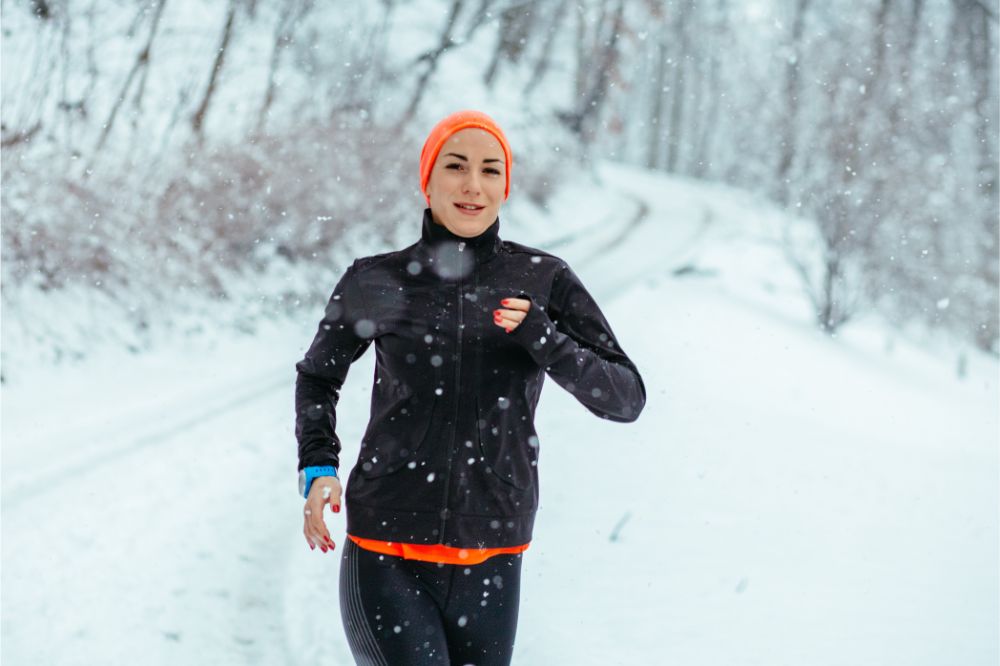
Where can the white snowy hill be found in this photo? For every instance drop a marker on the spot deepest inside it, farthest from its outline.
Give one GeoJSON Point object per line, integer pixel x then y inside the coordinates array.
{"type": "Point", "coordinates": [786, 498]}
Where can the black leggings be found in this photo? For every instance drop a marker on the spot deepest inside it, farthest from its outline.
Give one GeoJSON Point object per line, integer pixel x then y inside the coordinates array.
{"type": "Point", "coordinates": [398, 611]}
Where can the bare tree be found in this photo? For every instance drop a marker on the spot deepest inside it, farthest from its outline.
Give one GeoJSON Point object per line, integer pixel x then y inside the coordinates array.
{"type": "Point", "coordinates": [141, 63]}
{"type": "Point", "coordinates": [430, 60]}
{"type": "Point", "coordinates": [980, 43]}
{"type": "Point", "coordinates": [792, 92]}
{"type": "Point", "coordinates": [654, 146]}
{"type": "Point", "coordinates": [593, 76]}
{"type": "Point", "coordinates": [515, 29]}
{"type": "Point", "coordinates": [543, 62]}
{"type": "Point", "coordinates": [844, 237]}
{"type": "Point", "coordinates": [198, 119]}
{"type": "Point", "coordinates": [716, 28]}
{"type": "Point", "coordinates": [291, 13]}
{"type": "Point", "coordinates": [679, 65]}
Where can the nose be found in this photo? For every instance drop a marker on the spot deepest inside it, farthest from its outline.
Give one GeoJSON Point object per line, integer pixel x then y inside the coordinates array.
{"type": "Point", "coordinates": [471, 183]}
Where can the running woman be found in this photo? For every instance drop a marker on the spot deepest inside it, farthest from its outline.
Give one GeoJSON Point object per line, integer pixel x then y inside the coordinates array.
{"type": "Point", "coordinates": [441, 502]}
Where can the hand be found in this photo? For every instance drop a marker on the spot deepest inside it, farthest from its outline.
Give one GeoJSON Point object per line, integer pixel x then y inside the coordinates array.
{"type": "Point", "coordinates": [324, 489]}
{"type": "Point", "coordinates": [516, 309]}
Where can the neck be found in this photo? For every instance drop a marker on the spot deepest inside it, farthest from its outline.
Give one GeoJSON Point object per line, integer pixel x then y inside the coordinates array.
{"type": "Point", "coordinates": [483, 247]}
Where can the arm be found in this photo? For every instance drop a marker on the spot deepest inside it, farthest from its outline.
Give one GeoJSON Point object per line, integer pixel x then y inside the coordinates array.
{"type": "Point", "coordinates": [344, 335]}
{"type": "Point", "coordinates": [576, 346]}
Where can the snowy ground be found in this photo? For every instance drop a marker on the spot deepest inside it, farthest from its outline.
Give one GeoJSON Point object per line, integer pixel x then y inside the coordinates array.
{"type": "Point", "coordinates": [784, 499]}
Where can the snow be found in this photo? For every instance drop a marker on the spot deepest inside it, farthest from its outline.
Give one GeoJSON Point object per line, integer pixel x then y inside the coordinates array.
{"type": "Point", "coordinates": [784, 498]}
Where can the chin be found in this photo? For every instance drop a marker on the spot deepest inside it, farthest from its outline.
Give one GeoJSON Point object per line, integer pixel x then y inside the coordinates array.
{"type": "Point", "coordinates": [470, 227]}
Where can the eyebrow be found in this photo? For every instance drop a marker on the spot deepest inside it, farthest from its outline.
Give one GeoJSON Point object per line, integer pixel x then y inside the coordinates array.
{"type": "Point", "coordinates": [463, 157]}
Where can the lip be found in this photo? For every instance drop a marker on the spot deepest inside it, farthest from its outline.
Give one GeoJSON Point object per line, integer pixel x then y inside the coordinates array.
{"type": "Point", "coordinates": [470, 213]}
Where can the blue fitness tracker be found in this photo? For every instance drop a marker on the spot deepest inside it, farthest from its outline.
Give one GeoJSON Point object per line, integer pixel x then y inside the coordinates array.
{"type": "Point", "coordinates": [307, 474]}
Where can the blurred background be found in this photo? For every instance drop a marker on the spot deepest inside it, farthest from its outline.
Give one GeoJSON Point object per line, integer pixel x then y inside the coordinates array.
{"type": "Point", "coordinates": [789, 209]}
{"type": "Point", "coordinates": [217, 141]}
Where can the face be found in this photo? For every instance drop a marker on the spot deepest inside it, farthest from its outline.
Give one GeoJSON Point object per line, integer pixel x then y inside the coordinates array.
{"type": "Point", "coordinates": [470, 169]}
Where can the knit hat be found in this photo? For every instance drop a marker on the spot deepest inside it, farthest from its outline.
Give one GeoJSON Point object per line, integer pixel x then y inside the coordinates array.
{"type": "Point", "coordinates": [457, 121]}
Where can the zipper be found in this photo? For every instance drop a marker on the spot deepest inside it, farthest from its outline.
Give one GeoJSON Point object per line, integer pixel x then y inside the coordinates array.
{"type": "Point", "coordinates": [445, 511]}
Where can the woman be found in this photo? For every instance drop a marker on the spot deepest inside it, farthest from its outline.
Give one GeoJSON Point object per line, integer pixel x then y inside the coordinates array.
{"type": "Point", "coordinates": [441, 503]}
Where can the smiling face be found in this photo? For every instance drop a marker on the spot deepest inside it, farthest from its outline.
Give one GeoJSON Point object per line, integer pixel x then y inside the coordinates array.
{"type": "Point", "coordinates": [469, 170]}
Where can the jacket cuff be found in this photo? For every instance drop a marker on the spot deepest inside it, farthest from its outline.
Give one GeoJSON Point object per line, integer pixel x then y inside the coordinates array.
{"type": "Point", "coordinates": [537, 334]}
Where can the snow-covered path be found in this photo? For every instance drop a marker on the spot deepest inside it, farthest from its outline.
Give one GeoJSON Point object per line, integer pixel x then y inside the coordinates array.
{"type": "Point", "coordinates": [784, 499]}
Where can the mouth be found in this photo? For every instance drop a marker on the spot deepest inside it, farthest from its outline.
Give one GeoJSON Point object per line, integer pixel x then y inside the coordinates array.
{"type": "Point", "coordinates": [469, 209]}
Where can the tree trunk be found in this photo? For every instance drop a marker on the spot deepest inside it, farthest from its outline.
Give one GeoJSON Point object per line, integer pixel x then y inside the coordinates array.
{"type": "Point", "coordinates": [656, 141]}
{"type": "Point", "coordinates": [431, 58]}
{"type": "Point", "coordinates": [515, 28]}
{"type": "Point", "coordinates": [291, 13]}
{"type": "Point", "coordinates": [198, 119]}
{"type": "Point", "coordinates": [141, 61]}
{"type": "Point", "coordinates": [674, 128]}
{"type": "Point", "coordinates": [702, 154]}
{"type": "Point", "coordinates": [792, 91]}
{"type": "Point", "coordinates": [542, 64]}
{"type": "Point", "coordinates": [591, 102]}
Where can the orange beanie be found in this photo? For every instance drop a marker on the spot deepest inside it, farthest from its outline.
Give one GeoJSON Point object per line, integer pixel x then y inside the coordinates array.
{"type": "Point", "coordinates": [460, 120]}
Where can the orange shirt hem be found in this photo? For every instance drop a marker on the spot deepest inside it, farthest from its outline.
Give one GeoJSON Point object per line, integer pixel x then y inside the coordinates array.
{"type": "Point", "coordinates": [434, 552]}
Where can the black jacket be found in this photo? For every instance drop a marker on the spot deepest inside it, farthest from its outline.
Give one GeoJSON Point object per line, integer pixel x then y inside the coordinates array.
{"type": "Point", "coordinates": [450, 453]}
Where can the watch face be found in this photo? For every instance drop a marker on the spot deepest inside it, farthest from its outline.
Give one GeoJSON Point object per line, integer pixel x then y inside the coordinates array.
{"type": "Point", "coordinates": [302, 482]}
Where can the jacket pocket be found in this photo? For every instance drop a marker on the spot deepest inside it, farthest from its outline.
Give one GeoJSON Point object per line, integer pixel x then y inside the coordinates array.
{"type": "Point", "coordinates": [397, 439]}
{"type": "Point", "coordinates": [506, 456]}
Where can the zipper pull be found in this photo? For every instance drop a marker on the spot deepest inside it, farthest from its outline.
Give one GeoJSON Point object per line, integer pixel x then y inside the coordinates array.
{"type": "Point", "coordinates": [461, 246]}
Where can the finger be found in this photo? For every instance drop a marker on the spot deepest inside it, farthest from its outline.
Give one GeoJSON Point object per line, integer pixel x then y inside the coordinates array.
{"type": "Point", "coordinates": [310, 539]}
{"type": "Point", "coordinates": [331, 494]}
{"type": "Point", "coordinates": [509, 317]}
{"type": "Point", "coordinates": [521, 304]}
{"type": "Point", "coordinates": [309, 529]}
{"type": "Point", "coordinates": [315, 528]}
{"type": "Point", "coordinates": [502, 320]}
{"type": "Point", "coordinates": [320, 538]}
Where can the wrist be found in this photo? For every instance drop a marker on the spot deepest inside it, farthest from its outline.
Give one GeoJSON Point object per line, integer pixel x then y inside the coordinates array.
{"type": "Point", "coordinates": [309, 474]}
{"type": "Point", "coordinates": [536, 333]}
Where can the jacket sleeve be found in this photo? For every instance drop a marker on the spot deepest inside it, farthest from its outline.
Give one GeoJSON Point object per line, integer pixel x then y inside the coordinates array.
{"type": "Point", "coordinates": [344, 334]}
{"type": "Point", "coordinates": [576, 346]}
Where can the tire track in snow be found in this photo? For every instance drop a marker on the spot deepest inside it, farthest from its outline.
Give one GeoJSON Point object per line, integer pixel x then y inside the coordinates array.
{"type": "Point", "coordinates": [27, 486]}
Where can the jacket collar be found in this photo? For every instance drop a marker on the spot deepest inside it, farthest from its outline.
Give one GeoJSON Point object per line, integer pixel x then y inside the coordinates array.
{"type": "Point", "coordinates": [484, 247]}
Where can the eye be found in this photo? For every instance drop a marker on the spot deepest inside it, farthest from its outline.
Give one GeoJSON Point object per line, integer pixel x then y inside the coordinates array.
{"type": "Point", "coordinates": [490, 170]}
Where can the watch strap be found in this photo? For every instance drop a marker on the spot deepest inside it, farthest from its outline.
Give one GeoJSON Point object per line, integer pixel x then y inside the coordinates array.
{"type": "Point", "coordinates": [313, 472]}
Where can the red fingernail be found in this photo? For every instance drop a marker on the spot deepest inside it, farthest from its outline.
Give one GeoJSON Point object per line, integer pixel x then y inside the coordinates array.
{"type": "Point", "coordinates": [336, 508]}
{"type": "Point", "coordinates": [311, 546]}
{"type": "Point", "coordinates": [504, 301]}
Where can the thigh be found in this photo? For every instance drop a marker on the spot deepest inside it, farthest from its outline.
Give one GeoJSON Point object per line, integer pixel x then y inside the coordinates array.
{"type": "Point", "coordinates": [389, 616]}
{"type": "Point", "coordinates": [481, 611]}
